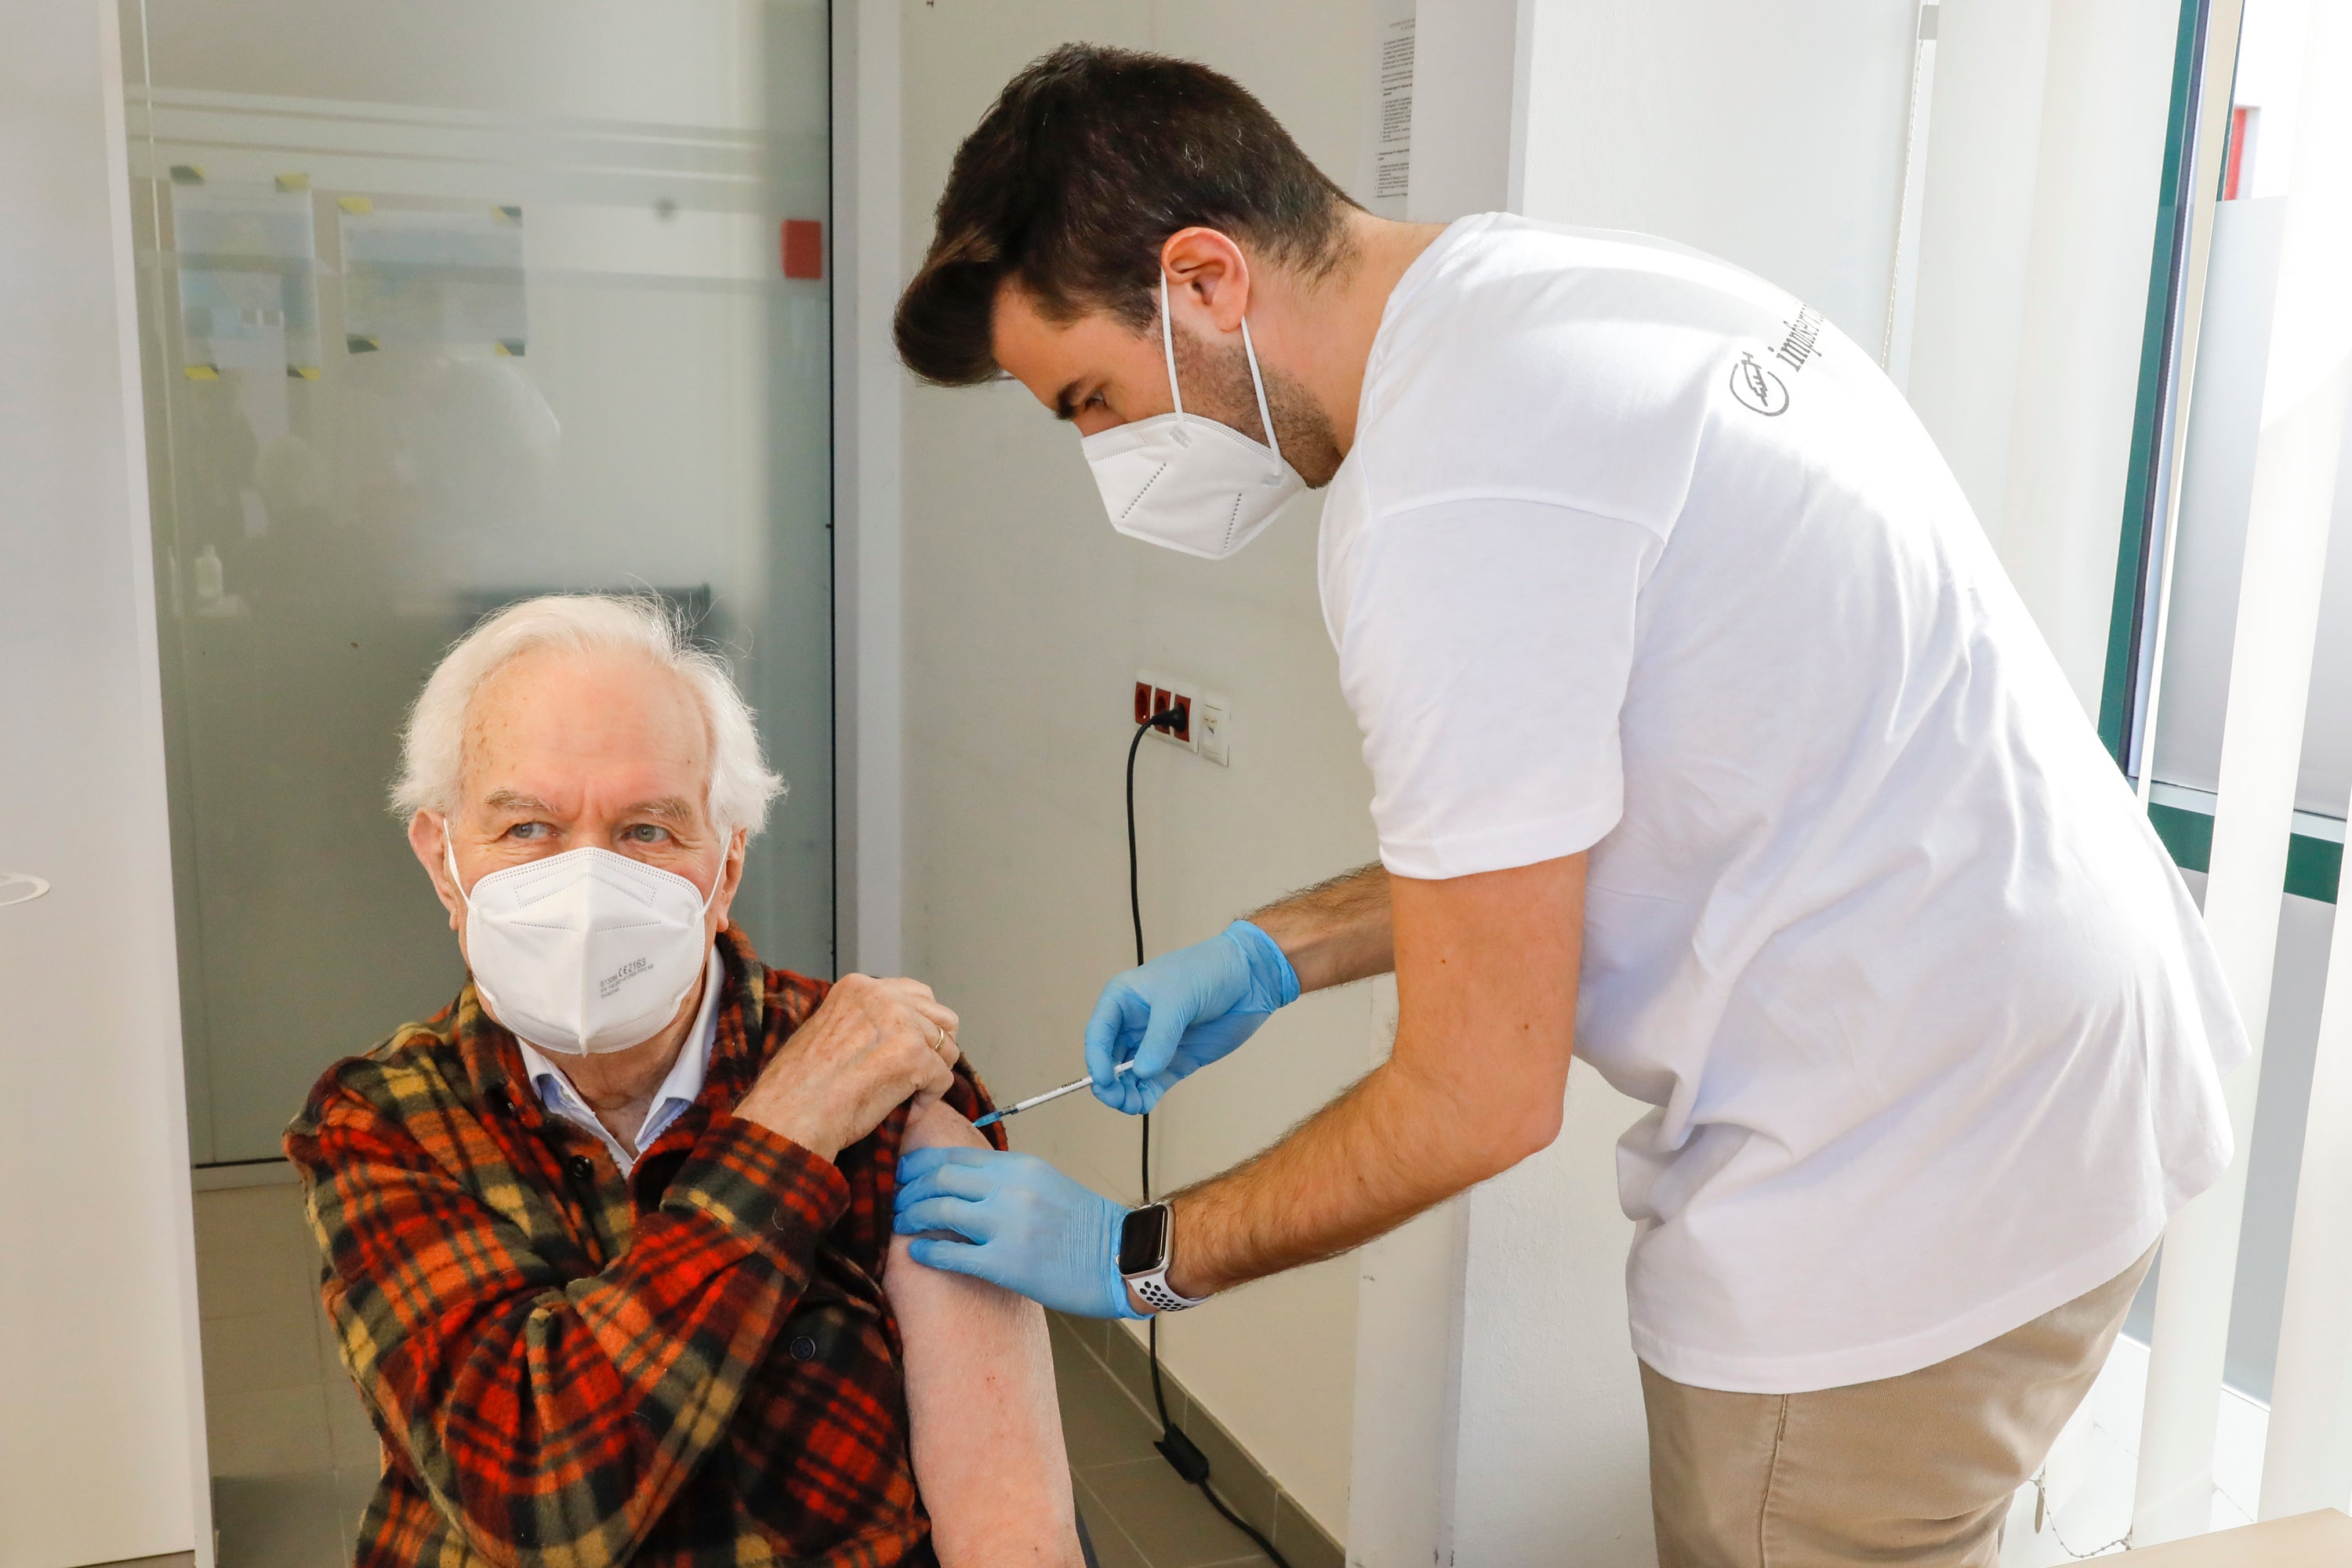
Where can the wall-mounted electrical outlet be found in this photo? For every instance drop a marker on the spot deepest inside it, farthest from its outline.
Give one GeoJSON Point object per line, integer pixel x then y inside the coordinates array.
{"type": "Point", "coordinates": [1202, 722]}
{"type": "Point", "coordinates": [1213, 733]}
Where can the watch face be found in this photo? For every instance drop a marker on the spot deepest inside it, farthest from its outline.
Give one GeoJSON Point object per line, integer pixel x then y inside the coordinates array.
{"type": "Point", "coordinates": [1142, 1239]}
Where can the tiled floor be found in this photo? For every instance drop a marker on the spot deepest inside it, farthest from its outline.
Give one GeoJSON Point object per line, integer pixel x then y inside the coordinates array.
{"type": "Point", "coordinates": [294, 1457]}
{"type": "Point", "coordinates": [2090, 1510]}
{"type": "Point", "coordinates": [1138, 1513]}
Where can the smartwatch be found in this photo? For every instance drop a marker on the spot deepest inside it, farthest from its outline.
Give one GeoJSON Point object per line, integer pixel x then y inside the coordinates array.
{"type": "Point", "coordinates": [1144, 1239]}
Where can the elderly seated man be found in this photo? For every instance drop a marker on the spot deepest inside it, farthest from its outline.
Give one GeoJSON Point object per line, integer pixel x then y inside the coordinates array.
{"type": "Point", "coordinates": [607, 1240]}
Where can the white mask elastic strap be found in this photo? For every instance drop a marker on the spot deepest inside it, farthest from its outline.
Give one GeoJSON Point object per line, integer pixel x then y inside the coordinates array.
{"type": "Point", "coordinates": [449, 857]}
{"type": "Point", "coordinates": [1249, 349]}
{"type": "Point", "coordinates": [1257, 385]}
{"type": "Point", "coordinates": [1168, 346]}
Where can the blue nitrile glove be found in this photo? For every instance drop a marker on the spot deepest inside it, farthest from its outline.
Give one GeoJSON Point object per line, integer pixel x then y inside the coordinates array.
{"type": "Point", "coordinates": [1032, 1230]}
{"type": "Point", "coordinates": [1182, 1011]}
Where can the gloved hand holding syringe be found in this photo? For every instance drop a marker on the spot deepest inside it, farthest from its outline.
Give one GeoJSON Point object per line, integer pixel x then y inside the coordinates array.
{"type": "Point", "coordinates": [1177, 1013]}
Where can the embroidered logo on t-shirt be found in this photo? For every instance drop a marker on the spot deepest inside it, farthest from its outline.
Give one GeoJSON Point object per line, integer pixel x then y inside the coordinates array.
{"type": "Point", "coordinates": [1758, 388]}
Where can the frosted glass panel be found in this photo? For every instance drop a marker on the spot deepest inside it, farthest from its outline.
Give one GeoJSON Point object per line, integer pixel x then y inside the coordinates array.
{"type": "Point", "coordinates": [444, 304]}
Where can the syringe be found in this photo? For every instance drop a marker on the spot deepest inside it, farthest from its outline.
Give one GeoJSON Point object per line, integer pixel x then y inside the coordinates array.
{"type": "Point", "coordinates": [1071, 1087]}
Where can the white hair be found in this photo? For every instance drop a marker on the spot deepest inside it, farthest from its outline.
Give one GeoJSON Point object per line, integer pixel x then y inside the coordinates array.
{"type": "Point", "coordinates": [432, 746]}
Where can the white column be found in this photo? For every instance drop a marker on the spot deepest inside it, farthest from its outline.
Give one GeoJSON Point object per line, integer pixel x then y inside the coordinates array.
{"type": "Point", "coordinates": [1903, 271]}
{"type": "Point", "coordinates": [1404, 1501]}
{"type": "Point", "coordinates": [1551, 1459]}
{"type": "Point", "coordinates": [101, 1441]}
{"type": "Point", "coordinates": [2308, 1457]}
{"type": "Point", "coordinates": [2303, 405]}
{"type": "Point", "coordinates": [869, 705]}
{"type": "Point", "coordinates": [2307, 1463]}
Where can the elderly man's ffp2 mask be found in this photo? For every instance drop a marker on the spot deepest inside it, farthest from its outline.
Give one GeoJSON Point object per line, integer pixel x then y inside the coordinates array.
{"type": "Point", "coordinates": [584, 951]}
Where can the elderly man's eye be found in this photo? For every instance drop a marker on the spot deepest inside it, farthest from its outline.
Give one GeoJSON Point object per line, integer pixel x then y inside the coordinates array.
{"type": "Point", "coordinates": [646, 833]}
{"type": "Point", "coordinates": [530, 830]}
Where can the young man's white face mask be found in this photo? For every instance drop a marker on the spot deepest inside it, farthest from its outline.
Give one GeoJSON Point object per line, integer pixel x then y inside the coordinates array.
{"type": "Point", "coordinates": [1190, 483]}
{"type": "Point", "coordinates": [584, 951]}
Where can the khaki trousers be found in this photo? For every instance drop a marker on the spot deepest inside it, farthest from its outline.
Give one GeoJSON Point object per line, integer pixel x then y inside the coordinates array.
{"type": "Point", "coordinates": [1917, 1469]}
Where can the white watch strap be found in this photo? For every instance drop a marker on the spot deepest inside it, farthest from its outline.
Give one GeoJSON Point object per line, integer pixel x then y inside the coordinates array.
{"type": "Point", "coordinates": [1159, 1295]}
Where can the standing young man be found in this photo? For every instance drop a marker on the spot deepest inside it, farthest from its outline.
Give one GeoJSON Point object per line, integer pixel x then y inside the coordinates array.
{"type": "Point", "coordinates": [1707, 737]}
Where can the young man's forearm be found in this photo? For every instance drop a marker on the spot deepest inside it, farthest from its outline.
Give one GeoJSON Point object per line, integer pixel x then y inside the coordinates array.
{"type": "Point", "coordinates": [1359, 1168]}
{"type": "Point", "coordinates": [1487, 984]}
{"type": "Point", "coordinates": [1335, 931]}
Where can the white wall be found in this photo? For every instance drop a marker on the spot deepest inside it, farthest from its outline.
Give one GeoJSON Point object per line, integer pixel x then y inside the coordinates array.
{"type": "Point", "coordinates": [100, 1446]}
{"type": "Point", "coordinates": [2108, 94]}
{"type": "Point", "coordinates": [1770, 136]}
{"type": "Point", "coordinates": [2043, 168]}
{"type": "Point", "coordinates": [1976, 236]}
{"type": "Point", "coordinates": [1026, 620]}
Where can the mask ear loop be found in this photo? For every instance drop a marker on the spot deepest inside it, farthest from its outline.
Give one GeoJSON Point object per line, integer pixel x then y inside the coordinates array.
{"type": "Point", "coordinates": [1257, 385]}
{"type": "Point", "coordinates": [1168, 346]}
{"type": "Point", "coordinates": [449, 858]}
{"type": "Point", "coordinates": [1249, 350]}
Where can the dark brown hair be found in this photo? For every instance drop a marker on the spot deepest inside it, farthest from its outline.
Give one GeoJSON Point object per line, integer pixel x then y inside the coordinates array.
{"type": "Point", "coordinates": [1086, 162]}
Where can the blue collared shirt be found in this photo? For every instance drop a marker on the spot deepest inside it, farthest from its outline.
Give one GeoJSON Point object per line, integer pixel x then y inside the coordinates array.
{"type": "Point", "coordinates": [678, 1091]}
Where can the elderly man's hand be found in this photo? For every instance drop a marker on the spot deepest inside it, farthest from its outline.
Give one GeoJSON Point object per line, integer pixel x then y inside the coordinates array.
{"type": "Point", "coordinates": [870, 1047]}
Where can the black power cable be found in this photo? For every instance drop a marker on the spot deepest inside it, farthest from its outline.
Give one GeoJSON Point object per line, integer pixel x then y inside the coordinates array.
{"type": "Point", "coordinates": [1183, 1456]}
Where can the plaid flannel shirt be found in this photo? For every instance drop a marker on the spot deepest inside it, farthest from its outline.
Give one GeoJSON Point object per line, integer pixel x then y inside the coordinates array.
{"type": "Point", "coordinates": [691, 1367]}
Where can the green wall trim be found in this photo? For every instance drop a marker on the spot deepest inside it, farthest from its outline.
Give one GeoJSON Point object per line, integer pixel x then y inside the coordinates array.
{"type": "Point", "coordinates": [2127, 612]}
{"type": "Point", "coordinates": [2314, 866]}
{"type": "Point", "coordinates": [2188, 834]}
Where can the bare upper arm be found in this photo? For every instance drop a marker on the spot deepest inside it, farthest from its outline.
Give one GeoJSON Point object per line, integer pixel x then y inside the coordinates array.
{"type": "Point", "coordinates": [936, 1124]}
{"type": "Point", "coordinates": [986, 1426]}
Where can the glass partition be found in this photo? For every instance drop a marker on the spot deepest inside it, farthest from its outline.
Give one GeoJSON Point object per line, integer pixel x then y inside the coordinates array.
{"type": "Point", "coordinates": [442, 305]}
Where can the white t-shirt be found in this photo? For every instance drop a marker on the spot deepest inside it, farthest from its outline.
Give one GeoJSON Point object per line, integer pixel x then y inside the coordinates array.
{"type": "Point", "coordinates": [1636, 554]}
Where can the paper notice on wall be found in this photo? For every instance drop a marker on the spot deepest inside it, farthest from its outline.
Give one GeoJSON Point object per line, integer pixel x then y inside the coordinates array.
{"type": "Point", "coordinates": [247, 261]}
{"type": "Point", "coordinates": [1390, 156]}
{"type": "Point", "coordinates": [414, 276]}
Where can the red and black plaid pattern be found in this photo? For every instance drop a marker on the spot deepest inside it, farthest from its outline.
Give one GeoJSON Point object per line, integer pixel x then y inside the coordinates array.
{"type": "Point", "coordinates": [690, 1367]}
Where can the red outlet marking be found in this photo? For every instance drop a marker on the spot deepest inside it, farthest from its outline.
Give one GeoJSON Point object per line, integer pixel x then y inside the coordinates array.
{"type": "Point", "coordinates": [803, 246]}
